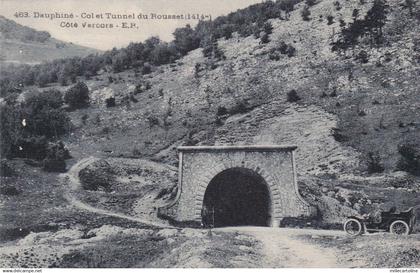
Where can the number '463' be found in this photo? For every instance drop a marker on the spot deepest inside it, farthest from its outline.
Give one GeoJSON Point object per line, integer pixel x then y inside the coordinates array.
{"type": "Point", "coordinates": [21, 14]}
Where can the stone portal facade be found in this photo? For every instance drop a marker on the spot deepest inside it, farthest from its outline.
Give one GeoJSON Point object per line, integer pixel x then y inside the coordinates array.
{"type": "Point", "coordinates": [198, 165]}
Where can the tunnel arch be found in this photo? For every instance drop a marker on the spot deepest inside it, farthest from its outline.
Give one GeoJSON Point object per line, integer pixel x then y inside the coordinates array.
{"type": "Point", "coordinates": [237, 196]}
{"type": "Point", "coordinates": [198, 165]}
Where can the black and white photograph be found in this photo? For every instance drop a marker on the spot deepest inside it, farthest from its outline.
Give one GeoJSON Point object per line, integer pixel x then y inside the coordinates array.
{"type": "Point", "coordinates": [140, 134]}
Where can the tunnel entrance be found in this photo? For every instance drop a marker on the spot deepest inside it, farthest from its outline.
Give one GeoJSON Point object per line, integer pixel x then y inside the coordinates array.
{"type": "Point", "coordinates": [236, 197]}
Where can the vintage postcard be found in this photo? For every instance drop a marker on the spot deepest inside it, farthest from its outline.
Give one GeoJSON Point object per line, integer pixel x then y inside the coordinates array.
{"type": "Point", "coordinates": [209, 134]}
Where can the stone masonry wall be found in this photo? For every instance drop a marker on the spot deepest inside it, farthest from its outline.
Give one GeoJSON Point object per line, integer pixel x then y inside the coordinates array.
{"type": "Point", "coordinates": [200, 167]}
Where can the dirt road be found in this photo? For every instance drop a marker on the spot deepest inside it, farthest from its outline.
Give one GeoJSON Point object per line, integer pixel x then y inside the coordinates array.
{"type": "Point", "coordinates": [281, 247]}
{"type": "Point", "coordinates": [72, 179]}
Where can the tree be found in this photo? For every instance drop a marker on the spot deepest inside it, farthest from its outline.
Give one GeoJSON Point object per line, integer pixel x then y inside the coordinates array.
{"type": "Point", "coordinates": [292, 96]}
{"type": "Point", "coordinates": [120, 61]}
{"type": "Point", "coordinates": [287, 6]}
{"type": "Point", "coordinates": [77, 96]}
{"type": "Point", "coordinates": [310, 3]}
{"type": "Point", "coordinates": [376, 19]}
{"type": "Point", "coordinates": [268, 28]}
{"type": "Point", "coordinates": [43, 115]}
{"type": "Point", "coordinates": [186, 39]}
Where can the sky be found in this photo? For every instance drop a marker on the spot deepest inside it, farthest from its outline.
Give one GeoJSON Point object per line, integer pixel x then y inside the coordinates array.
{"type": "Point", "coordinates": [114, 37]}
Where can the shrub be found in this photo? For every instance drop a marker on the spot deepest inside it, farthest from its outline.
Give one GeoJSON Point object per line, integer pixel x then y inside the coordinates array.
{"type": "Point", "coordinates": [362, 57]}
{"type": "Point", "coordinates": [305, 13]}
{"type": "Point", "coordinates": [146, 69]}
{"type": "Point", "coordinates": [84, 119]}
{"type": "Point", "coordinates": [46, 122]}
{"type": "Point", "coordinates": [77, 96]}
{"type": "Point", "coordinates": [241, 107]}
{"type": "Point", "coordinates": [337, 5]}
{"type": "Point", "coordinates": [265, 38]}
{"type": "Point", "coordinates": [274, 56]}
{"type": "Point", "coordinates": [409, 159]}
{"type": "Point", "coordinates": [9, 190]}
{"type": "Point", "coordinates": [374, 163]}
{"type": "Point", "coordinates": [268, 28]}
{"type": "Point", "coordinates": [56, 155]}
{"type": "Point", "coordinates": [310, 3]}
{"type": "Point", "coordinates": [153, 121]}
{"type": "Point", "coordinates": [292, 96]}
{"type": "Point", "coordinates": [338, 135]}
{"type": "Point", "coordinates": [284, 49]}
{"type": "Point", "coordinates": [221, 111]}
{"type": "Point", "coordinates": [26, 128]}
{"type": "Point", "coordinates": [97, 176]}
{"type": "Point", "coordinates": [371, 25]}
{"type": "Point", "coordinates": [110, 102]}
{"type": "Point", "coordinates": [142, 86]}
{"type": "Point", "coordinates": [330, 19]}
{"type": "Point", "coordinates": [211, 50]}
{"type": "Point", "coordinates": [6, 170]}
{"type": "Point", "coordinates": [38, 100]}
{"type": "Point", "coordinates": [186, 39]}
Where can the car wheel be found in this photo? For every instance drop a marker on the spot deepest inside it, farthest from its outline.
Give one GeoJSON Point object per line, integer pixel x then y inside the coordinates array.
{"type": "Point", "coordinates": [399, 227]}
{"type": "Point", "coordinates": [353, 227]}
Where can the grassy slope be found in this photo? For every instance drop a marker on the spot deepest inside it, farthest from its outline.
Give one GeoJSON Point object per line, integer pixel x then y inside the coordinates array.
{"type": "Point", "coordinates": [17, 52]}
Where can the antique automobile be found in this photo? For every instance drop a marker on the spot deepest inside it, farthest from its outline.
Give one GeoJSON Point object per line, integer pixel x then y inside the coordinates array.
{"type": "Point", "coordinates": [400, 223]}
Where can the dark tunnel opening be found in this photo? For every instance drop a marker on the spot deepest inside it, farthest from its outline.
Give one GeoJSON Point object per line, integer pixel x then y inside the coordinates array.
{"type": "Point", "coordinates": [236, 197]}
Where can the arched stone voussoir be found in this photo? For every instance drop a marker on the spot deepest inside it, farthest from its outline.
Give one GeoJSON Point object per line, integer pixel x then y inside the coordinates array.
{"type": "Point", "coordinates": [274, 164]}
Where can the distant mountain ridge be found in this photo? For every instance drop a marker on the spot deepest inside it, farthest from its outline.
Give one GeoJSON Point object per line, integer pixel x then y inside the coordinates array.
{"type": "Point", "coordinates": [24, 45]}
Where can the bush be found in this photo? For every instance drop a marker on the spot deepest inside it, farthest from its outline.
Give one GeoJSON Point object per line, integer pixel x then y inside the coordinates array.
{"type": "Point", "coordinates": [110, 102]}
{"type": "Point", "coordinates": [6, 169]}
{"type": "Point", "coordinates": [371, 25]}
{"type": "Point", "coordinates": [292, 96]}
{"type": "Point", "coordinates": [221, 111]}
{"type": "Point", "coordinates": [153, 121]}
{"type": "Point", "coordinates": [285, 49]}
{"type": "Point", "coordinates": [56, 155]}
{"type": "Point", "coordinates": [310, 3]}
{"type": "Point", "coordinates": [362, 57]}
{"type": "Point", "coordinates": [268, 28]}
{"type": "Point", "coordinates": [142, 86]}
{"type": "Point", "coordinates": [97, 176]}
{"type": "Point", "coordinates": [77, 96]}
{"type": "Point", "coordinates": [34, 147]}
{"type": "Point", "coordinates": [374, 163]}
{"type": "Point", "coordinates": [330, 19]}
{"type": "Point", "coordinates": [186, 39]}
{"type": "Point", "coordinates": [305, 13]}
{"type": "Point", "coordinates": [26, 128]}
{"type": "Point", "coordinates": [265, 38]}
{"type": "Point", "coordinates": [409, 159]}
{"type": "Point", "coordinates": [46, 122]}
{"type": "Point", "coordinates": [242, 106]}
{"type": "Point", "coordinates": [9, 190]}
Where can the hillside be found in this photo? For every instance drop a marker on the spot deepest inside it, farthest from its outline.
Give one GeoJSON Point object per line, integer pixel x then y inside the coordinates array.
{"type": "Point", "coordinates": [24, 45]}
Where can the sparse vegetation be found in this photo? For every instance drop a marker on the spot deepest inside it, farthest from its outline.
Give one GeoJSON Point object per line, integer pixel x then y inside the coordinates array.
{"type": "Point", "coordinates": [330, 19]}
{"type": "Point", "coordinates": [409, 160]}
{"type": "Point", "coordinates": [371, 25]}
{"type": "Point", "coordinates": [110, 102]}
{"type": "Point", "coordinates": [292, 96]}
{"type": "Point", "coordinates": [374, 163]}
{"type": "Point", "coordinates": [55, 159]}
{"type": "Point", "coordinates": [306, 13]}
